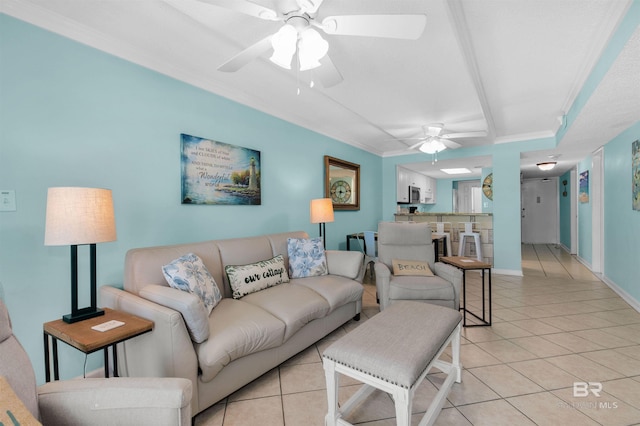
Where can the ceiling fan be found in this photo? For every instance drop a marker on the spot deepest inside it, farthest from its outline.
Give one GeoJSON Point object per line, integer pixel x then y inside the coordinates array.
{"type": "Point", "coordinates": [299, 35]}
{"type": "Point", "coordinates": [436, 139]}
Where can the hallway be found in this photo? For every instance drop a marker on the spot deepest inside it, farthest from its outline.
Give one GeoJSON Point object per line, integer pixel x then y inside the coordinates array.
{"type": "Point", "coordinates": [551, 261]}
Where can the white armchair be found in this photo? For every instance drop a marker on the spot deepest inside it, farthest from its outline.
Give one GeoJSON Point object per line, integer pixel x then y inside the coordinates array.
{"type": "Point", "coordinates": [412, 241]}
{"type": "Point", "coordinates": [116, 401]}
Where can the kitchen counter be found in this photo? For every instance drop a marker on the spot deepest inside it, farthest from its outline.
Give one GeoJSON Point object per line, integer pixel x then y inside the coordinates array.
{"type": "Point", "coordinates": [455, 221]}
{"type": "Point", "coordinates": [443, 214]}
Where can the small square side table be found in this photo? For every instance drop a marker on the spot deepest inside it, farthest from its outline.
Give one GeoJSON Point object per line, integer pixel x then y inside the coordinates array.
{"type": "Point", "coordinates": [81, 336]}
{"type": "Point", "coordinates": [466, 264]}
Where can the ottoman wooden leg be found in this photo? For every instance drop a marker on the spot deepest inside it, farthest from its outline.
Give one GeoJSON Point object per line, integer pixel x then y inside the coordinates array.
{"type": "Point", "coordinates": [403, 399]}
{"type": "Point", "coordinates": [332, 380]}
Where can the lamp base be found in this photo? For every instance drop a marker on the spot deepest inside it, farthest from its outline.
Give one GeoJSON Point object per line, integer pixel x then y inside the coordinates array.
{"type": "Point", "coordinates": [82, 314]}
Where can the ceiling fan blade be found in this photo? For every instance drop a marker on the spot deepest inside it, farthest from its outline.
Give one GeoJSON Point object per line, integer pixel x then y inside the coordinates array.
{"type": "Point", "coordinates": [389, 26]}
{"type": "Point", "coordinates": [247, 55]}
{"type": "Point", "coordinates": [415, 145]}
{"type": "Point", "coordinates": [327, 73]}
{"type": "Point", "coordinates": [309, 6]}
{"type": "Point", "coordinates": [464, 135]}
{"type": "Point", "coordinates": [247, 8]}
{"type": "Point", "coordinates": [450, 144]}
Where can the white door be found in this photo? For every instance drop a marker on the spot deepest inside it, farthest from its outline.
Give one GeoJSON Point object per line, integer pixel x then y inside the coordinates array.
{"type": "Point", "coordinates": [539, 203]}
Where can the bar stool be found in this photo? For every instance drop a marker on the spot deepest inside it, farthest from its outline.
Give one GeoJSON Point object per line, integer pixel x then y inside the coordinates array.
{"type": "Point", "coordinates": [468, 232]}
{"type": "Point", "coordinates": [441, 228]}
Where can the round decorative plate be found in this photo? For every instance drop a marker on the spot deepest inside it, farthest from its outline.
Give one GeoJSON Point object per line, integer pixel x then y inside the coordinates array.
{"type": "Point", "coordinates": [487, 186]}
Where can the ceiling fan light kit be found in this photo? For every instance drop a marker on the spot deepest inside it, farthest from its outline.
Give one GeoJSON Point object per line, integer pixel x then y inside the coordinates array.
{"type": "Point", "coordinates": [432, 146]}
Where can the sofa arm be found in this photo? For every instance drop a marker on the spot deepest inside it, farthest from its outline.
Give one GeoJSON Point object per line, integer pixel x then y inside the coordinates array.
{"type": "Point", "coordinates": [451, 274]}
{"type": "Point", "coordinates": [167, 351]}
{"type": "Point", "coordinates": [117, 401]}
{"type": "Point", "coordinates": [383, 282]}
{"type": "Point", "coordinates": [344, 263]}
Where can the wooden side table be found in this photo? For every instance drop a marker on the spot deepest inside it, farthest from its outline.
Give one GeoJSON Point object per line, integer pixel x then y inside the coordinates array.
{"type": "Point", "coordinates": [81, 336]}
{"type": "Point", "coordinates": [467, 264]}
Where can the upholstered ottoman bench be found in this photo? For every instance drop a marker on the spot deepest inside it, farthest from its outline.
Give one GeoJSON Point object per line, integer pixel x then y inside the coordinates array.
{"type": "Point", "coordinates": [393, 351]}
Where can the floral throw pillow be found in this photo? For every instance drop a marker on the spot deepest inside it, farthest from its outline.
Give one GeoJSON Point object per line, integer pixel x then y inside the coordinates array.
{"type": "Point", "coordinates": [306, 257]}
{"type": "Point", "coordinates": [188, 273]}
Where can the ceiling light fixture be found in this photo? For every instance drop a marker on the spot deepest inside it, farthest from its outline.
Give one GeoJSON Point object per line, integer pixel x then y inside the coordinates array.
{"type": "Point", "coordinates": [294, 36]}
{"type": "Point", "coordinates": [458, 171]}
{"type": "Point", "coordinates": [547, 165]}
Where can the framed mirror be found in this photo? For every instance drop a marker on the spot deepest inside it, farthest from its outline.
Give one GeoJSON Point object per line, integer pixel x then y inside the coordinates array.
{"type": "Point", "coordinates": [342, 183]}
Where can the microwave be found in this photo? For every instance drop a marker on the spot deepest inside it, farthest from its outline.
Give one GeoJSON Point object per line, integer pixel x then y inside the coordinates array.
{"type": "Point", "coordinates": [414, 195]}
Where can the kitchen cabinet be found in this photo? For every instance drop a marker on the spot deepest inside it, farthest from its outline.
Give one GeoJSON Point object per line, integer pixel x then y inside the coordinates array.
{"type": "Point", "coordinates": [403, 181]}
{"type": "Point", "coordinates": [428, 194]}
{"type": "Point", "coordinates": [406, 178]}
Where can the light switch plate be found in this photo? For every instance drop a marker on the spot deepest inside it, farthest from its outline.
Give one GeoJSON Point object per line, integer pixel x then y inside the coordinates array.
{"type": "Point", "coordinates": [7, 200]}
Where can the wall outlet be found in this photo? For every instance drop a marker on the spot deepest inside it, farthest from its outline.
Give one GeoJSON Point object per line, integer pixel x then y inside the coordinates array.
{"type": "Point", "coordinates": [7, 200]}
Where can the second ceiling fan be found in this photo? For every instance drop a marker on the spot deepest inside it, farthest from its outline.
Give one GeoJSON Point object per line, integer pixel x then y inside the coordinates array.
{"type": "Point", "coordinates": [299, 37]}
{"type": "Point", "coordinates": [437, 139]}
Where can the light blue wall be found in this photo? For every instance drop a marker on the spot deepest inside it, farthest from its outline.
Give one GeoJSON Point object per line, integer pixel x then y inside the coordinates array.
{"type": "Point", "coordinates": [74, 116]}
{"type": "Point", "coordinates": [565, 210]}
{"type": "Point", "coordinates": [621, 222]}
{"type": "Point", "coordinates": [585, 224]}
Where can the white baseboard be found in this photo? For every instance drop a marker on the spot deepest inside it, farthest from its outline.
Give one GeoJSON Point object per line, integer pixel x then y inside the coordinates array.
{"type": "Point", "coordinates": [621, 292]}
{"type": "Point", "coordinates": [514, 272]}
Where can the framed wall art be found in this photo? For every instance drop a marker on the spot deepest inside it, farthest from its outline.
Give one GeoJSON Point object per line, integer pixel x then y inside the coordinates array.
{"type": "Point", "coordinates": [342, 183]}
{"type": "Point", "coordinates": [218, 173]}
{"type": "Point", "coordinates": [583, 195]}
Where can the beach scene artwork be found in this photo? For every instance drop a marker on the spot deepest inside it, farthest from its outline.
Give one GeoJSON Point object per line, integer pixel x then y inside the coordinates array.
{"type": "Point", "coordinates": [217, 173]}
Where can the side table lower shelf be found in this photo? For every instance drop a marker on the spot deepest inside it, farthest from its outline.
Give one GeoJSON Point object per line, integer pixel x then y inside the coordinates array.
{"type": "Point", "coordinates": [466, 264]}
{"type": "Point", "coordinates": [81, 336]}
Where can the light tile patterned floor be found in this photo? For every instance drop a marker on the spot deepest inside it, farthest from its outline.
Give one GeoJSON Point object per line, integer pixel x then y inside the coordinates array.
{"type": "Point", "coordinates": [555, 326]}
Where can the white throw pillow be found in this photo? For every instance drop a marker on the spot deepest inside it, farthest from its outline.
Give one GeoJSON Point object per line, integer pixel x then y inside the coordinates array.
{"type": "Point", "coordinates": [306, 257]}
{"type": "Point", "coordinates": [246, 279]}
{"type": "Point", "coordinates": [188, 273]}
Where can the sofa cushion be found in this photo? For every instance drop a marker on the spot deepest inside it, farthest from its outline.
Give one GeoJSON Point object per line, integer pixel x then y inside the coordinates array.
{"type": "Point", "coordinates": [189, 305]}
{"type": "Point", "coordinates": [294, 305]}
{"type": "Point", "coordinates": [421, 288]}
{"type": "Point", "coordinates": [247, 279]}
{"type": "Point", "coordinates": [188, 273]}
{"type": "Point", "coordinates": [411, 267]}
{"type": "Point", "coordinates": [336, 290]}
{"type": "Point", "coordinates": [306, 257]}
{"type": "Point", "coordinates": [236, 329]}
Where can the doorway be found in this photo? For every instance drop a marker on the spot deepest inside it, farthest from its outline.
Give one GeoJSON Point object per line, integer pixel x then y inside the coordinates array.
{"type": "Point", "coordinates": [467, 197]}
{"type": "Point", "coordinates": [539, 204]}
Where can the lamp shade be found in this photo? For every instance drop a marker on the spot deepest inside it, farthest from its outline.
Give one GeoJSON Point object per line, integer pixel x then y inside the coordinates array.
{"type": "Point", "coordinates": [79, 216]}
{"type": "Point", "coordinates": [321, 210]}
{"type": "Point", "coordinates": [311, 48]}
{"type": "Point", "coordinates": [284, 46]}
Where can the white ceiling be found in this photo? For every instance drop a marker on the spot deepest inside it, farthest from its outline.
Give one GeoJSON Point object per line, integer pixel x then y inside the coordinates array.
{"type": "Point", "coordinates": [510, 67]}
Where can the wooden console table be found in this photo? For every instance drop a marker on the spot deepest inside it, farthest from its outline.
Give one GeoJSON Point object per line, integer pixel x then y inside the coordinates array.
{"type": "Point", "coordinates": [466, 264]}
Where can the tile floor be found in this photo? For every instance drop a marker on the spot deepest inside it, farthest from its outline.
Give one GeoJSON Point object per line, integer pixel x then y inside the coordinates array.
{"type": "Point", "coordinates": [556, 326]}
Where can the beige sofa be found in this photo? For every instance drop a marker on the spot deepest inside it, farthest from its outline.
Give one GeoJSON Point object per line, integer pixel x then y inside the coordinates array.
{"type": "Point", "coordinates": [247, 336]}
